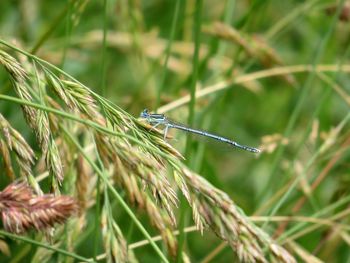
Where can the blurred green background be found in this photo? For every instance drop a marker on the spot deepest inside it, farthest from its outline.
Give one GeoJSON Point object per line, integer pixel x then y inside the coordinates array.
{"type": "Point", "coordinates": [289, 115]}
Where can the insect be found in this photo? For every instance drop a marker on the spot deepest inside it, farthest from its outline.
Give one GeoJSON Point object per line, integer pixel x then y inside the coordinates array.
{"type": "Point", "coordinates": [160, 119]}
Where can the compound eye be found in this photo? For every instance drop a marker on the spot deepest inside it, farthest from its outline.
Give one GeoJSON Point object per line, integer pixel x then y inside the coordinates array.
{"type": "Point", "coordinates": [144, 113]}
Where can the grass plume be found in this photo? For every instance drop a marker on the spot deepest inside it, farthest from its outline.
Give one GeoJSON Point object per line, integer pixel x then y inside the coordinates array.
{"type": "Point", "coordinates": [82, 153]}
{"type": "Point", "coordinates": [21, 210]}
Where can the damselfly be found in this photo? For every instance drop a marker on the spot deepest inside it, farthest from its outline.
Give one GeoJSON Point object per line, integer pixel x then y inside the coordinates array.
{"type": "Point", "coordinates": [160, 119]}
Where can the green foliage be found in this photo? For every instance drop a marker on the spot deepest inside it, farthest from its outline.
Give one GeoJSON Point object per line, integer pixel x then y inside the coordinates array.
{"type": "Point", "coordinates": [269, 74]}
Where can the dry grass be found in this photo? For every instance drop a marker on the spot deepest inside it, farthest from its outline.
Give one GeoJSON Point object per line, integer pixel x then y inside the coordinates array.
{"type": "Point", "coordinates": [140, 167]}
{"type": "Point", "coordinates": [82, 172]}
{"type": "Point", "coordinates": [21, 210]}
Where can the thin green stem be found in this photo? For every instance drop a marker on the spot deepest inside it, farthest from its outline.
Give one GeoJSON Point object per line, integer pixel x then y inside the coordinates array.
{"type": "Point", "coordinates": [297, 109]}
{"type": "Point", "coordinates": [197, 42]}
{"type": "Point", "coordinates": [197, 31]}
{"type": "Point", "coordinates": [37, 243]}
{"type": "Point", "coordinates": [253, 10]}
{"type": "Point", "coordinates": [289, 19]}
{"type": "Point", "coordinates": [324, 211]}
{"type": "Point", "coordinates": [63, 73]}
{"type": "Point", "coordinates": [301, 175]}
{"type": "Point", "coordinates": [97, 217]}
{"type": "Point", "coordinates": [118, 197]}
{"type": "Point", "coordinates": [104, 49]}
{"type": "Point", "coordinates": [324, 98]}
{"type": "Point", "coordinates": [85, 122]}
{"type": "Point", "coordinates": [50, 30]}
{"type": "Point", "coordinates": [68, 29]}
{"type": "Point", "coordinates": [167, 51]}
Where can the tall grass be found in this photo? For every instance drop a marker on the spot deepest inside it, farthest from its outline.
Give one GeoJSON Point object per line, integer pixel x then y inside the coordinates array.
{"type": "Point", "coordinates": [85, 179]}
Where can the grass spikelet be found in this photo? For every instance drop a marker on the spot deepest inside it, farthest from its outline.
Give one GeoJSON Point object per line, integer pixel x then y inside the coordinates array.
{"type": "Point", "coordinates": [133, 171]}
{"type": "Point", "coordinates": [13, 141]}
{"type": "Point", "coordinates": [5, 153]}
{"type": "Point", "coordinates": [47, 210]}
{"type": "Point", "coordinates": [18, 79]}
{"type": "Point", "coordinates": [12, 66]}
{"type": "Point", "coordinates": [21, 210]}
{"type": "Point", "coordinates": [269, 143]}
{"type": "Point", "coordinates": [213, 65]}
{"type": "Point", "coordinates": [254, 46]}
{"type": "Point", "coordinates": [42, 131]}
{"type": "Point", "coordinates": [73, 95]}
{"type": "Point", "coordinates": [56, 84]}
{"type": "Point", "coordinates": [154, 136]}
{"type": "Point", "coordinates": [216, 209]}
{"type": "Point", "coordinates": [53, 161]}
{"type": "Point", "coordinates": [128, 182]}
{"type": "Point", "coordinates": [162, 222]}
{"type": "Point", "coordinates": [114, 242]}
{"type": "Point", "coordinates": [21, 147]}
{"type": "Point", "coordinates": [229, 33]}
{"type": "Point", "coordinates": [281, 254]}
{"type": "Point", "coordinates": [81, 98]}
{"type": "Point", "coordinates": [141, 171]}
{"type": "Point", "coordinates": [133, 161]}
{"type": "Point", "coordinates": [4, 248]}
{"type": "Point", "coordinates": [83, 183]}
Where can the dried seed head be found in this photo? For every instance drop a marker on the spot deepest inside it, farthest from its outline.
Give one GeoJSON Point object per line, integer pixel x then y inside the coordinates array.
{"type": "Point", "coordinates": [344, 14]}
{"type": "Point", "coordinates": [21, 209]}
{"type": "Point", "coordinates": [12, 66]}
{"type": "Point", "coordinates": [281, 254]}
{"type": "Point", "coordinates": [53, 161]}
{"type": "Point", "coordinates": [81, 98]}
{"type": "Point", "coordinates": [115, 244]}
{"type": "Point", "coordinates": [58, 87]}
{"type": "Point", "coordinates": [15, 192]}
{"type": "Point", "coordinates": [18, 79]}
{"type": "Point", "coordinates": [162, 222]}
{"type": "Point", "coordinates": [21, 147]}
{"type": "Point", "coordinates": [47, 210]}
{"type": "Point", "coordinates": [231, 34]}
{"type": "Point", "coordinates": [5, 153]}
{"type": "Point", "coordinates": [82, 182]}
{"type": "Point", "coordinates": [42, 130]}
{"type": "Point", "coordinates": [215, 209]}
{"type": "Point", "coordinates": [15, 142]}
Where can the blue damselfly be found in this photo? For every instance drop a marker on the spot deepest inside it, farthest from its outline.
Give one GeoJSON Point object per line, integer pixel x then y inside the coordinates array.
{"type": "Point", "coordinates": [160, 119]}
